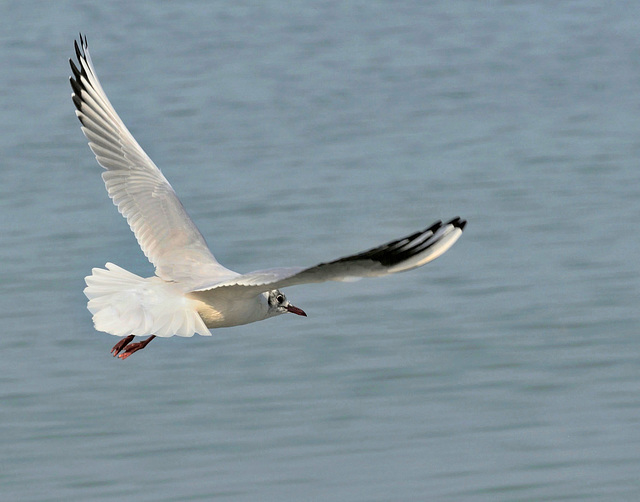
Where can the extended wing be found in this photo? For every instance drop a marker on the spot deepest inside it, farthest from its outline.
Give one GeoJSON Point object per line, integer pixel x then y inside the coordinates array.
{"type": "Point", "coordinates": [166, 234]}
{"type": "Point", "coordinates": [402, 254]}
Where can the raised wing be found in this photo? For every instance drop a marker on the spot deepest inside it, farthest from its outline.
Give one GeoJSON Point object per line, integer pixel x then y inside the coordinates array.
{"type": "Point", "coordinates": [402, 254]}
{"type": "Point", "coordinates": [166, 234]}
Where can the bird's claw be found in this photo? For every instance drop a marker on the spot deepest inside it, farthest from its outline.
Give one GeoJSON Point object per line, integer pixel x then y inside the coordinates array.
{"type": "Point", "coordinates": [117, 348]}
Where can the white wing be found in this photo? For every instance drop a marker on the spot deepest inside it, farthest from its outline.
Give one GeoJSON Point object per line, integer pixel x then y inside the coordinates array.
{"type": "Point", "coordinates": [166, 234]}
{"type": "Point", "coordinates": [397, 256]}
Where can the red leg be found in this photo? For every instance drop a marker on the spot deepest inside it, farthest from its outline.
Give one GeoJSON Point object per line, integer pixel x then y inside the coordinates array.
{"type": "Point", "coordinates": [121, 345]}
{"type": "Point", "coordinates": [135, 347]}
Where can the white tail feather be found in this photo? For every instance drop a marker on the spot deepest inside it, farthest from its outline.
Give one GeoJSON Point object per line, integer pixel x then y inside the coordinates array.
{"type": "Point", "coordinates": [124, 304]}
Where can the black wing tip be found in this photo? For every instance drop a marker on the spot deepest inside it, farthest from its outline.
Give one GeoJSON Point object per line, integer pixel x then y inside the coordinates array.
{"type": "Point", "coordinates": [81, 56]}
{"type": "Point", "coordinates": [83, 42]}
{"type": "Point", "coordinates": [79, 70]}
{"type": "Point", "coordinates": [458, 222]}
{"type": "Point", "coordinates": [402, 249]}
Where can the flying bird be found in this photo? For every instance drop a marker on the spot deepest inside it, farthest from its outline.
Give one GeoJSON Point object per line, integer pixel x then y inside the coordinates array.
{"type": "Point", "coordinates": [191, 292]}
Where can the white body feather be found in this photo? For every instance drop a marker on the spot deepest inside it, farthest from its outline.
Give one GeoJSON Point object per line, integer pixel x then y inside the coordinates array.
{"type": "Point", "coordinates": [191, 291]}
{"type": "Point", "coordinates": [124, 304]}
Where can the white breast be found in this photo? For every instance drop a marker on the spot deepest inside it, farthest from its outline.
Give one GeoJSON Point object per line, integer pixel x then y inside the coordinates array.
{"type": "Point", "coordinates": [220, 311]}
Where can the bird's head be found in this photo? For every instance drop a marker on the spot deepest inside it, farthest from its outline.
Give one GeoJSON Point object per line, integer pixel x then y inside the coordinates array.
{"type": "Point", "coordinates": [278, 304]}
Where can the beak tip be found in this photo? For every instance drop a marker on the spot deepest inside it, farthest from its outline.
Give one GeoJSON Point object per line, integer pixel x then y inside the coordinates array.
{"type": "Point", "coordinates": [296, 310]}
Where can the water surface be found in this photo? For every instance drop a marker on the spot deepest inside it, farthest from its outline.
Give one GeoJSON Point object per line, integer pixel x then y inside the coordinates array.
{"type": "Point", "coordinates": [507, 370]}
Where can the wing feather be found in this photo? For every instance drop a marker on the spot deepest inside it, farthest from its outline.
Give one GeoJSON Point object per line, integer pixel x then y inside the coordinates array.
{"type": "Point", "coordinates": [166, 234]}
{"type": "Point", "coordinates": [399, 255]}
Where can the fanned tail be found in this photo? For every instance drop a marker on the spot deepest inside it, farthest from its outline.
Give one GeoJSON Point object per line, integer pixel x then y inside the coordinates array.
{"type": "Point", "coordinates": [124, 304]}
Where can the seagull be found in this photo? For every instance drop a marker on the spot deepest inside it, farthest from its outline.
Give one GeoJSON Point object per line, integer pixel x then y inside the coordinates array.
{"type": "Point", "coordinates": [191, 292]}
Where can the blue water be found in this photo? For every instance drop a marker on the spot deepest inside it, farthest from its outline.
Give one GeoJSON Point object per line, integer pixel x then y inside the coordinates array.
{"type": "Point", "coordinates": [507, 370]}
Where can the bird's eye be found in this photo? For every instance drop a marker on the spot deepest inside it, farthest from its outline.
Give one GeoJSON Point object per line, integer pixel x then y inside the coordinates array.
{"type": "Point", "coordinates": [280, 298]}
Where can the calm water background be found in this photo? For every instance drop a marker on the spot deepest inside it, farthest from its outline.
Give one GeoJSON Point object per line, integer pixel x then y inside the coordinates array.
{"type": "Point", "coordinates": [507, 370]}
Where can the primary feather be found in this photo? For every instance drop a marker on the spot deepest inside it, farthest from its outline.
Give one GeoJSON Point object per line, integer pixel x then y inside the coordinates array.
{"type": "Point", "coordinates": [191, 291]}
{"type": "Point", "coordinates": [166, 234]}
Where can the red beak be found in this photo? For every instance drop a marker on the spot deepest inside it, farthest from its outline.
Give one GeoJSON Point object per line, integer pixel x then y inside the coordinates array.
{"type": "Point", "coordinates": [295, 310]}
